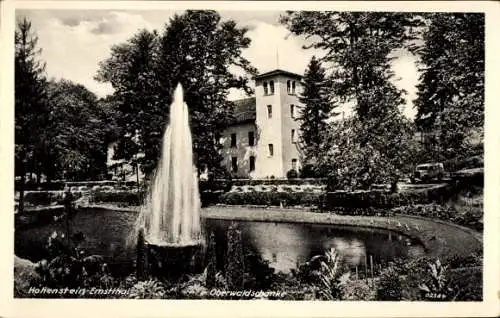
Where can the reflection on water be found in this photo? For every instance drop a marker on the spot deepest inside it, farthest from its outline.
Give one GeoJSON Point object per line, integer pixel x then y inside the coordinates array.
{"type": "Point", "coordinates": [284, 245]}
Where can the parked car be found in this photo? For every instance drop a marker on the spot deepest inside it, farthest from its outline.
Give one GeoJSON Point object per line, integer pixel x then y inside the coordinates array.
{"type": "Point", "coordinates": [428, 171]}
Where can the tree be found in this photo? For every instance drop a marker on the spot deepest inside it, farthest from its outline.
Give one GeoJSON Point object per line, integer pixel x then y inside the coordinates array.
{"type": "Point", "coordinates": [31, 112]}
{"type": "Point", "coordinates": [317, 109]}
{"type": "Point", "coordinates": [358, 47]}
{"type": "Point", "coordinates": [132, 71]}
{"type": "Point", "coordinates": [195, 49]}
{"type": "Point", "coordinates": [450, 97]}
{"type": "Point", "coordinates": [77, 130]}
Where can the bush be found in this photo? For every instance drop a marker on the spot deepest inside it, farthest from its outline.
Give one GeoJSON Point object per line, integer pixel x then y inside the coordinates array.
{"type": "Point", "coordinates": [389, 285]}
{"type": "Point", "coordinates": [126, 197]}
{"type": "Point", "coordinates": [297, 181]}
{"type": "Point", "coordinates": [47, 197]}
{"type": "Point", "coordinates": [384, 199]}
{"type": "Point", "coordinates": [68, 265]}
{"type": "Point", "coordinates": [271, 198]}
{"type": "Point", "coordinates": [234, 267]}
{"type": "Point", "coordinates": [292, 174]}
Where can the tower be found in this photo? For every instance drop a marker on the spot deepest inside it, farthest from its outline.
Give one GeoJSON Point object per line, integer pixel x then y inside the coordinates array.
{"type": "Point", "coordinates": [277, 106]}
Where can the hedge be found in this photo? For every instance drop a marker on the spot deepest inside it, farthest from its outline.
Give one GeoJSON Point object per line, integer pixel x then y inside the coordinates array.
{"type": "Point", "coordinates": [33, 186]}
{"type": "Point", "coordinates": [297, 181]}
{"type": "Point", "coordinates": [271, 198]}
{"type": "Point", "coordinates": [126, 197]}
{"type": "Point", "coordinates": [384, 199]}
{"type": "Point", "coordinates": [47, 197]}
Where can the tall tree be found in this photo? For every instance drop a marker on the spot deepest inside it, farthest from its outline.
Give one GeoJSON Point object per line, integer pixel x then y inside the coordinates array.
{"type": "Point", "coordinates": [77, 131]}
{"type": "Point", "coordinates": [358, 47]}
{"type": "Point", "coordinates": [132, 71]}
{"type": "Point", "coordinates": [316, 110]}
{"type": "Point", "coordinates": [450, 97]}
{"type": "Point", "coordinates": [195, 49]}
{"type": "Point", "coordinates": [31, 112]}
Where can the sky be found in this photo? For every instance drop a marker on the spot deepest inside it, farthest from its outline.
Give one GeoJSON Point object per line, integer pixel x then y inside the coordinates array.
{"type": "Point", "coordinates": [73, 43]}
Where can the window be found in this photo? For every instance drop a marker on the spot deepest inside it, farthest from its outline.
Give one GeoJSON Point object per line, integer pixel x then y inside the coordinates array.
{"type": "Point", "coordinates": [292, 111]}
{"type": "Point", "coordinates": [293, 87]}
{"type": "Point", "coordinates": [234, 164]}
{"type": "Point", "coordinates": [269, 111]}
{"type": "Point", "coordinates": [265, 89]}
{"type": "Point", "coordinates": [233, 140]}
{"type": "Point", "coordinates": [293, 137]}
{"type": "Point", "coordinates": [288, 86]}
{"type": "Point", "coordinates": [271, 150]}
{"type": "Point", "coordinates": [252, 163]}
{"type": "Point", "coordinates": [251, 138]}
{"type": "Point", "coordinates": [271, 87]}
{"type": "Point", "coordinates": [294, 164]}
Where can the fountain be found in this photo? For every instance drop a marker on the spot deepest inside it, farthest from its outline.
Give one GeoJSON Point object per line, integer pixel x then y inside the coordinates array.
{"type": "Point", "coordinates": [168, 229]}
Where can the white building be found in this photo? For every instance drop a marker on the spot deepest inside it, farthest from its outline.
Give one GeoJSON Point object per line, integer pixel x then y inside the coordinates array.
{"type": "Point", "coordinates": [262, 141]}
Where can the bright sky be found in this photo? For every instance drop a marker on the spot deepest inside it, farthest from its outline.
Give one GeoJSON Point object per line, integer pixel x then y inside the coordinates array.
{"type": "Point", "coordinates": [73, 42]}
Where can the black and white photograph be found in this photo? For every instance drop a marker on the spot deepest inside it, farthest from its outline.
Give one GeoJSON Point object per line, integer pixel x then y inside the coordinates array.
{"type": "Point", "coordinates": [271, 154]}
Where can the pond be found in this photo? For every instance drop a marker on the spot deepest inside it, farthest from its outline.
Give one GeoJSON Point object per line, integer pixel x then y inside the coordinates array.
{"type": "Point", "coordinates": [283, 245]}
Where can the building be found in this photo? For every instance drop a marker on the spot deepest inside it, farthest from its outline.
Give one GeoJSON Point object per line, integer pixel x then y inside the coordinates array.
{"type": "Point", "coordinates": [261, 142]}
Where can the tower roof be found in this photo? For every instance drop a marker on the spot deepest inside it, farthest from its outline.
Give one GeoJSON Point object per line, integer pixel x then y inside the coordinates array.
{"type": "Point", "coordinates": [277, 72]}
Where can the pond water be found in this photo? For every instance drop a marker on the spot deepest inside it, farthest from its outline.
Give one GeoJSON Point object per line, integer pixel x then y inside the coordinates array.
{"type": "Point", "coordinates": [283, 245]}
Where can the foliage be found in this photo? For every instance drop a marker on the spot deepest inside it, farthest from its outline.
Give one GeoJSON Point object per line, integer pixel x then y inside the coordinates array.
{"type": "Point", "coordinates": [469, 216]}
{"type": "Point", "coordinates": [150, 289]}
{"type": "Point", "coordinates": [125, 197]}
{"type": "Point", "coordinates": [234, 260]}
{"type": "Point", "coordinates": [211, 262]}
{"type": "Point", "coordinates": [292, 174]}
{"type": "Point", "coordinates": [450, 97]}
{"type": "Point", "coordinates": [195, 49]}
{"type": "Point", "coordinates": [271, 198]}
{"type": "Point", "coordinates": [329, 274]}
{"type": "Point", "coordinates": [77, 131]}
{"type": "Point", "coordinates": [68, 265]}
{"type": "Point", "coordinates": [358, 289]}
{"type": "Point", "coordinates": [436, 286]}
{"type": "Point", "coordinates": [316, 110]}
{"type": "Point", "coordinates": [389, 285]}
{"type": "Point", "coordinates": [373, 146]}
{"type": "Point", "coordinates": [31, 113]}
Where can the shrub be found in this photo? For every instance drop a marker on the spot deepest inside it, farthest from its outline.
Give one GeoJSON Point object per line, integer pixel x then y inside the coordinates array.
{"type": "Point", "coordinates": [126, 197]}
{"type": "Point", "coordinates": [292, 174]}
{"type": "Point", "coordinates": [358, 289]}
{"type": "Point", "coordinates": [385, 199]}
{"type": "Point", "coordinates": [234, 267]}
{"type": "Point", "coordinates": [271, 198]}
{"type": "Point", "coordinates": [211, 262]}
{"type": "Point", "coordinates": [68, 265]}
{"type": "Point", "coordinates": [389, 285]}
{"type": "Point", "coordinates": [151, 289]}
{"type": "Point", "coordinates": [48, 197]}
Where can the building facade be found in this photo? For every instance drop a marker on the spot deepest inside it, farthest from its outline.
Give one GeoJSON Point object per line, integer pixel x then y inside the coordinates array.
{"type": "Point", "coordinates": [262, 141]}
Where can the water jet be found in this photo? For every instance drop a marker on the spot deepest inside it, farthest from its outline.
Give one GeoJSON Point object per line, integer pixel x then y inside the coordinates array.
{"type": "Point", "coordinates": [168, 229]}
